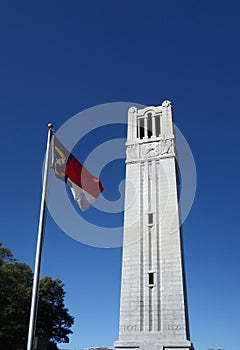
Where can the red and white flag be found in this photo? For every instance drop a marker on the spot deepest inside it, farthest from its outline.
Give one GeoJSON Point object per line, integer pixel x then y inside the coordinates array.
{"type": "Point", "coordinates": [85, 187]}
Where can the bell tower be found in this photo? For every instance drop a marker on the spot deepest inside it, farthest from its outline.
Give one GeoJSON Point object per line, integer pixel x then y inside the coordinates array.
{"type": "Point", "coordinates": [153, 310]}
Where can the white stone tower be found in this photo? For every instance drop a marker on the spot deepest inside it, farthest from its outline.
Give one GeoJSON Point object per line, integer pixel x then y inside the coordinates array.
{"type": "Point", "coordinates": [153, 311]}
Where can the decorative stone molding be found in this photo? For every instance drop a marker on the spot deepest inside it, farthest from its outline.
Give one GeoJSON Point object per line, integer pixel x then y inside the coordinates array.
{"type": "Point", "coordinates": [132, 110]}
{"type": "Point", "coordinates": [132, 151]}
{"type": "Point", "coordinates": [167, 146]}
{"type": "Point", "coordinates": [150, 149]}
{"type": "Point", "coordinates": [167, 104]}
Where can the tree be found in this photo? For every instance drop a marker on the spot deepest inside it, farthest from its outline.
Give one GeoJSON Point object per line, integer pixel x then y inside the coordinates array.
{"type": "Point", "coordinates": [15, 295]}
{"type": "Point", "coordinates": [53, 321]}
{"type": "Point", "coordinates": [51, 303]}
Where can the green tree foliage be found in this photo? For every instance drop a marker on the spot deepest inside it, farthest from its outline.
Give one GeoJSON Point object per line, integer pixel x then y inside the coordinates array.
{"type": "Point", "coordinates": [15, 295]}
{"type": "Point", "coordinates": [53, 322]}
{"type": "Point", "coordinates": [51, 303]}
{"type": "Point", "coordinates": [5, 255]}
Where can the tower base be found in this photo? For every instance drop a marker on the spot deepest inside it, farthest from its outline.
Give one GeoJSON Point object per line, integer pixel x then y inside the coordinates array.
{"type": "Point", "coordinates": [185, 345]}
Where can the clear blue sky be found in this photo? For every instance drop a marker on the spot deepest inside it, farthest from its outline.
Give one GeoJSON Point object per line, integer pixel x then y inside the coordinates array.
{"type": "Point", "coordinates": [61, 57]}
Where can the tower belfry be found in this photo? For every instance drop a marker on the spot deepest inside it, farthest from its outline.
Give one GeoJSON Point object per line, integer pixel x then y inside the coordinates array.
{"type": "Point", "coordinates": [153, 310]}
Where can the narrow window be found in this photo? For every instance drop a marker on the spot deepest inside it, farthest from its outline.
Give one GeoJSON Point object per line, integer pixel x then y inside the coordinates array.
{"type": "Point", "coordinates": [157, 121]}
{"type": "Point", "coordinates": [151, 278]}
{"type": "Point", "coordinates": [140, 128]}
{"type": "Point", "coordinates": [150, 218]}
{"type": "Point", "coordinates": [149, 125]}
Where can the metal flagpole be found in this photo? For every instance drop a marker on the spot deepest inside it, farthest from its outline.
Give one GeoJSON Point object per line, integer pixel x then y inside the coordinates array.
{"type": "Point", "coordinates": [41, 225]}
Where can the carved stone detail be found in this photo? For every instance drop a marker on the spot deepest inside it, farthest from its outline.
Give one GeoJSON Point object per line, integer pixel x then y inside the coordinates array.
{"type": "Point", "coordinates": [132, 151]}
{"type": "Point", "coordinates": [167, 146]}
{"type": "Point", "coordinates": [166, 103]}
{"type": "Point", "coordinates": [132, 110]}
{"type": "Point", "coordinates": [150, 149]}
{"type": "Point", "coordinates": [131, 328]}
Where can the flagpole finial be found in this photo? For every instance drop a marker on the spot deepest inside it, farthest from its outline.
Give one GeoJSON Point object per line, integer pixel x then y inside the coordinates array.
{"type": "Point", "coordinates": [50, 126]}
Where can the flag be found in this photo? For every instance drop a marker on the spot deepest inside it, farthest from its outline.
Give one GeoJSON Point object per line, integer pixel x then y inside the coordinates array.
{"type": "Point", "coordinates": [85, 187]}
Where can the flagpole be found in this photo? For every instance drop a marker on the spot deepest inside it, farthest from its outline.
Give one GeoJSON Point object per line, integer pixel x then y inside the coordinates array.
{"type": "Point", "coordinates": [41, 227]}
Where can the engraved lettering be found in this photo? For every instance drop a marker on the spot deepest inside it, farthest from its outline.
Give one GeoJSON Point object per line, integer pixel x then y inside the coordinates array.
{"type": "Point", "coordinates": [130, 328]}
{"type": "Point", "coordinates": [174, 327]}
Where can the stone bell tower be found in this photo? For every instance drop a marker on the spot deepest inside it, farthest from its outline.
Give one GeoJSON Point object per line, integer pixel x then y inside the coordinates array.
{"type": "Point", "coordinates": [153, 310]}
